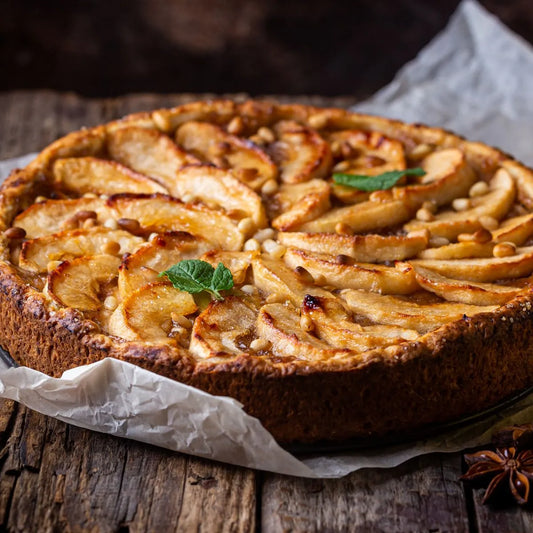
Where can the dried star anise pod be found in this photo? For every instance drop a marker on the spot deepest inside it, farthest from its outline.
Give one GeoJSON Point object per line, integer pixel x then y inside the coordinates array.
{"type": "Point", "coordinates": [510, 464]}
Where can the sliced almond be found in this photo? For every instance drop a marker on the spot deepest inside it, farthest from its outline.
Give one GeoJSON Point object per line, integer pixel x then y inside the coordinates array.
{"type": "Point", "coordinates": [91, 175]}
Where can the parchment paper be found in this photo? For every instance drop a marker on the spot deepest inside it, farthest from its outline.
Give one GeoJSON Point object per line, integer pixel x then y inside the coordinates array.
{"type": "Point", "coordinates": [473, 78]}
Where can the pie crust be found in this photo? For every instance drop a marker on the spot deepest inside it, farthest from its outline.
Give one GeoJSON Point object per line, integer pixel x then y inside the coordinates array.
{"type": "Point", "coordinates": [354, 313]}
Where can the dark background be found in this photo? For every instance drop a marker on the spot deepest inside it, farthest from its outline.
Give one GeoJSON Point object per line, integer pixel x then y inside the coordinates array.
{"type": "Point", "coordinates": [106, 48]}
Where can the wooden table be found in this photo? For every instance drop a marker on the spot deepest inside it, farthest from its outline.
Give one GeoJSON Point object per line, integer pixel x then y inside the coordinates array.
{"type": "Point", "coordinates": [56, 477]}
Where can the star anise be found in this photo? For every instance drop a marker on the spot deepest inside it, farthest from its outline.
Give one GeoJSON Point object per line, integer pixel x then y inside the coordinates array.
{"type": "Point", "coordinates": [511, 464]}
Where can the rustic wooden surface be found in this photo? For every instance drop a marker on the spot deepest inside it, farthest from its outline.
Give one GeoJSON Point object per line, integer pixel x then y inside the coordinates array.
{"type": "Point", "coordinates": [56, 477]}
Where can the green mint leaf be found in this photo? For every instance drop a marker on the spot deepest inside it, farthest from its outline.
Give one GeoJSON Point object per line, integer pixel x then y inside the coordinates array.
{"type": "Point", "coordinates": [195, 276]}
{"type": "Point", "coordinates": [376, 183]}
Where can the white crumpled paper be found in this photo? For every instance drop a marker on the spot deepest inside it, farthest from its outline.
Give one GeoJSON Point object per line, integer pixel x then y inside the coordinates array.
{"type": "Point", "coordinates": [474, 79]}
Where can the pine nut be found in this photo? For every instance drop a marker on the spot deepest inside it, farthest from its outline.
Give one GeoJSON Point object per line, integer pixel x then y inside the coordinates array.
{"type": "Point", "coordinates": [425, 215]}
{"type": "Point", "coordinates": [246, 226]}
{"type": "Point", "coordinates": [89, 223]}
{"type": "Point", "coordinates": [90, 195]}
{"type": "Point", "coordinates": [504, 249]}
{"type": "Point", "coordinates": [129, 224]}
{"type": "Point", "coordinates": [110, 303]}
{"type": "Point", "coordinates": [461, 204]}
{"type": "Point", "coordinates": [15, 233]}
{"type": "Point", "coordinates": [40, 199]}
{"type": "Point", "coordinates": [266, 134]}
{"type": "Point", "coordinates": [478, 189]}
{"type": "Point", "coordinates": [252, 245]}
{"type": "Point", "coordinates": [306, 323]}
{"type": "Point", "coordinates": [235, 126]}
{"type": "Point", "coordinates": [259, 345]}
{"type": "Point", "coordinates": [248, 289]}
{"type": "Point", "coordinates": [278, 251]}
{"type": "Point", "coordinates": [111, 223]}
{"type": "Point", "coordinates": [317, 121]}
{"type": "Point", "coordinates": [342, 166]}
{"type": "Point", "coordinates": [264, 234]}
{"type": "Point", "coordinates": [270, 187]}
{"type": "Point", "coordinates": [111, 247]}
{"type": "Point", "coordinates": [343, 229]}
{"type": "Point", "coordinates": [420, 151]}
{"type": "Point", "coordinates": [437, 242]}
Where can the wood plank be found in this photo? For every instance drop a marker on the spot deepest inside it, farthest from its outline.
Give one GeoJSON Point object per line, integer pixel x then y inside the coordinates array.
{"type": "Point", "coordinates": [421, 495]}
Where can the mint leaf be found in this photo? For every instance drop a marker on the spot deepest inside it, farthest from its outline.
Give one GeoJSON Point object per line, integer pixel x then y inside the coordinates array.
{"type": "Point", "coordinates": [222, 280]}
{"type": "Point", "coordinates": [195, 276]}
{"type": "Point", "coordinates": [376, 183]}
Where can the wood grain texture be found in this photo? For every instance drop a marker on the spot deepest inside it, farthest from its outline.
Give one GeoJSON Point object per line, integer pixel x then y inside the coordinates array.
{"type": "Point", "coordinates": [56, 477]}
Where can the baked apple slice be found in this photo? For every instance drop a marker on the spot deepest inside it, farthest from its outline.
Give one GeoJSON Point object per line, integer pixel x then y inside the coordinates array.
{"type": "Point", "coordinates": [364, 248]}
{"type": "Point", "coordinates": [237, 262]}
{"type": "Point", "coordinates": [280, 325]}
{"type": "Point", "coordinates": [212, 144]}
{"type": "Point", "coordinates": [77, 283]}
{"type": "Point", "coordinates": [149, 152]}
{"type": "Point", "coordinates": [448, 176]}
{"type": "Point", "coordinates": [53, 216]}
{"type": "Point", "coordinates": [485, 269]}
{"type": "Point", "coordinates": [467, 292]}
{"type": "Point", "coordinates": [300, 153]}
{"type": "Point", "coordinates": [277, 281]}
{"type": "Point", "coordinates": [91, 175]}
{"type": "Point", "coordinates": [160, 213]}
{"type": "Point", "coordinates": [362, 217]}
{"type": "Point", "coordinates": [334, 325]}
{"type": "Point", "coordinates": [393, 310]}
{"type": "Point", "coordinates": [294, 204]}
{"type": "Point", "coordinates": [215, 185]}
{"type": "Point", "coordinates": [459, 250]}
{"type": "Point", "coordinates": [496, 203]}
{"type": "Point", "coordinates": [66, 245]}
{"type": "Point", "coordinates": [516, 230]}
{"type": "Point", "coordinates": [146, 315]}
{"type": "Point", "coordinates": [226, 328]}
{"type": "Point", "coordinates": [159, 254]}
{"type": "Point", "coordinates": [399, 279]}
{"type": "Point", "coordinates": [364, 153]}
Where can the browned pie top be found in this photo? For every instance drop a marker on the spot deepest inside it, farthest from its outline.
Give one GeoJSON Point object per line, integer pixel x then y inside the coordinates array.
{"type": "Point", "coordinates": [322, 272]}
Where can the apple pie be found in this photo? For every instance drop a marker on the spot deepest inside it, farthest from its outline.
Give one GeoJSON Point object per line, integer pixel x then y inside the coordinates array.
{"type": "Point", "coordinates": [365, 277]}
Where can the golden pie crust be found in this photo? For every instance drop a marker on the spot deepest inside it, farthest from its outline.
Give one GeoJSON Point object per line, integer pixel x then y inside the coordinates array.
{"type": "Point", "coordinates": [354, 314]}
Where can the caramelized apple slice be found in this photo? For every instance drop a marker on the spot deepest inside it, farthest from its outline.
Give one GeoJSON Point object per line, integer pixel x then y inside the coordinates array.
{"type": "Point", "coordinates": [66, 245]}
{"type": "Point", "coordinates": [163, 251]}
{"type": "Point", "coordinates": [212, 144]}
{"type": "Point", "coordinates": [496, 203]}
{"type": "Point", "coordinates": [51, 216]}
{"type": "Point", "coordinates": [225, 328]}
{"type": "Point", "coordinates": [485, 269]}
{"type": "Point", "coordinates": [211, 184]}
{"type": "Point", "coordinates": [278, 281]}
{"type": "Point", "coordinates": [448, 176]}
{"type": "Point", "coordinates": [163, 213]}
{"type": "Point", "coordinates": [89, 174]}
{"type": "Point", "coordinates": [146, 315]}
{"type": "Point", "coordinates": [364, 248]}
{"type": "Point", "coordinates": [77, 283]}
{"type": "Point", "coordinates": [363, 217]}
{"type": "Point", "coordinates": [405, 313]}
{"type": "Point", "coordinates": [237, 262]}
{"type": "Point", "coordinates": [300, 153]}
{"type": "Point", "coordinates": [364, 153]}
{"type": "Point", "coordinates": [378, 278]}
{"type": "Point", "coordinates": [516, 230]}
{"type": "Point", "coordinates": [280, 325]}
{"type": "Point", "coordinates": [149, 152]}
{"type": "Point", "coordinates": [466, 292]}
{"type": "Point", "coordinates": [295, 204]}
{"type": "Point", "coordinates": [334, 325]}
